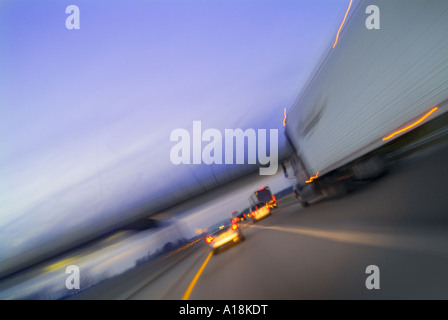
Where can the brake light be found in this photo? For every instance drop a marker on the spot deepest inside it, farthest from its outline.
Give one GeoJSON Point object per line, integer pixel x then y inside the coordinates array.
{"type": "Point", "coordinates": [209, 239]}
{"type": "Point", "coordinates": [234, 226]}
{"type": "Point", "coordinates": [273, 197]}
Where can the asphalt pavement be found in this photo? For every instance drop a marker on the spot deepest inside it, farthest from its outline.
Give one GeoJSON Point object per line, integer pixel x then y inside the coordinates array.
{"type": "Point", "coordinates": [398, 223]}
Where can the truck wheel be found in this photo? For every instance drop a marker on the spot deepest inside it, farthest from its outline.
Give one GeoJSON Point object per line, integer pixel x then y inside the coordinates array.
{"type": "Point", "coordinates": [335, 190]}
{"type": "Point", "coordinates": [370, 168]}
{"type": "Point", "coordinates": [303, 202]}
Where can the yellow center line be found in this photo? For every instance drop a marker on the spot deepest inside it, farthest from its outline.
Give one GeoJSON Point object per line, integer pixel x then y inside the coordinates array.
{"type": "Point", "coordinates": [196, 277]}
{"type": "Point", "coordinates": [415, 242]}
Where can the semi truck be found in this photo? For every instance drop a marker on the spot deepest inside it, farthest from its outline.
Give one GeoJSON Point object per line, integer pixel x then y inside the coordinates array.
{"type": "Point", "coordinates": [263, 195]}
{"type": "Point", "coordinates": [371, 86]}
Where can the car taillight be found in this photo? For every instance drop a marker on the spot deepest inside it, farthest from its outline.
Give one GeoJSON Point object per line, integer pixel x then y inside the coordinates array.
{"type": "Point", "coordinates": [273, 197]}
{"type": "Point", "coordinates": [209, 239]}
{"type": "Point", "coordinates": [234, 226]}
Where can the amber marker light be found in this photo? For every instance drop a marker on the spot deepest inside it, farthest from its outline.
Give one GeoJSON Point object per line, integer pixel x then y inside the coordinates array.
{"type": "Point", "coordinates": [426, 115]}
{"type": "Point", "coordinates": [312, 178]}
{"type": "Point", "coordinates": [284, 119]}
{"type": "Point", "coordinates": [343, 21]}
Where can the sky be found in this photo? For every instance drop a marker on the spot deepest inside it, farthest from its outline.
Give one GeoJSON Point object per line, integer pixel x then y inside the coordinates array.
{"type": "Point", "coordinates": [86, 115]}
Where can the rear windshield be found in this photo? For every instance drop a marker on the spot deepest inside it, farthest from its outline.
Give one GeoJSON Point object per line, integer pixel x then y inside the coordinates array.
{"type": "Point", "coordinates": [264, 195]}
{"type": "Point", "coordinates": [220, 226]}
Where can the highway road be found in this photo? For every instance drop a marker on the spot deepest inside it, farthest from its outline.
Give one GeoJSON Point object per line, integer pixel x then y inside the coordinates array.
{"type": "Point", "coordinates": [398, 223]}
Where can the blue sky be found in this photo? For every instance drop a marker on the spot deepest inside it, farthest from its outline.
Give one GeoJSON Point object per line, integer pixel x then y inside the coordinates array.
{"type": "Point", "coordinates": [86, 115]}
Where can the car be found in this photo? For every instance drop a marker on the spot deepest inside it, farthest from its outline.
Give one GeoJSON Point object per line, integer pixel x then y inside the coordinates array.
{"type": "Point", "coordinates": [224, 234]}
{"type": "Point", "coordinates": [259, 211]}
{"type": "Point", "coordinates": [243, 217]}
{"type": "Point", "coordinates": [235, 214]}
{"type": "Point", "coordinates": [240, 217]}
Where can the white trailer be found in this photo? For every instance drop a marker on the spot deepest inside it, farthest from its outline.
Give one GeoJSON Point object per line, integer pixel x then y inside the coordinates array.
{"type": "Point", "coordinates": [372, 87]}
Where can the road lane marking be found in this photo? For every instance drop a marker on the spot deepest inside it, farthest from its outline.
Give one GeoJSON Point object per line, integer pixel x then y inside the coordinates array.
{"type": "Point", "coordinates": [129, 295]}
{"type": "Point", "coordinates": [418, 241]}
{"type": "Point", "coordinates": [196, 277]}
{"type": "Point", "coordinates": [351, 237]}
